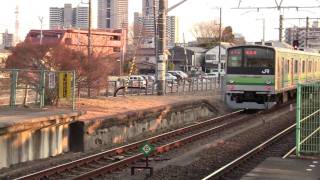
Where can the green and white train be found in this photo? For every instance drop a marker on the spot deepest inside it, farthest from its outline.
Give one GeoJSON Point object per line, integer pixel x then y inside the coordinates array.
{"type": "Point", "coordinates": [259, 77]}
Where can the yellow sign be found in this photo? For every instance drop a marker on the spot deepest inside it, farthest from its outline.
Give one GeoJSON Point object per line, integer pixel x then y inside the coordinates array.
{"type": "Point", "coordinates": [65, 80]}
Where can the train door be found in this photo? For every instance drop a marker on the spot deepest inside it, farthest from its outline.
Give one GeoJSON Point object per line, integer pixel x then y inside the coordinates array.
{"type": "Point", "coordinates": [291, 71]}
{"type": "Point", "coordinates": [282, 73]}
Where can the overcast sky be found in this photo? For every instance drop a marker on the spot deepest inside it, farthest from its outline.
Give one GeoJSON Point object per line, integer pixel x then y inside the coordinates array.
{"type": "Point", "coordinates": [191, 12]}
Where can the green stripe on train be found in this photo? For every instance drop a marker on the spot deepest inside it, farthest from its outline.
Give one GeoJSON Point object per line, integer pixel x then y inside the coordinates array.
{"type": "Point", "coordinates": [250, 80]}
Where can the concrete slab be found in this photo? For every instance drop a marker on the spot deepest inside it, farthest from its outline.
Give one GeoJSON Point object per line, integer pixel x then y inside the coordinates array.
{"type": "Point", "coordinates": [276, 168]}
{"type": "Point", "coordinates": [22, 119]}
{"type": "Point", "coordinates": [29, 134]}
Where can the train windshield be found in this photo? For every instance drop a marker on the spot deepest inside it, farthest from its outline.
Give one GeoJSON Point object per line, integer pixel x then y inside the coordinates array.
{"type": "Point", "coordinates": [258, 57]}
{"type": "Point", "coordinates": [251, 60]}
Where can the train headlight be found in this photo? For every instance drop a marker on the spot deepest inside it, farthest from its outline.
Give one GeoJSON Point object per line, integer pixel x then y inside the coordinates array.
{"type": "Point", "coordinates": [231, 81]}
{"type": "Point", "coordinates": [268, 81]}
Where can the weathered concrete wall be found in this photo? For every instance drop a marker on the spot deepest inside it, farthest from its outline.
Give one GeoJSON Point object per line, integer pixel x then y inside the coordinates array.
{"type": "Point", "coordinates": [23, 139]}
{"type": "Point", "coordinates": [121, 128]}
{"type": "Point", "coordinates": [31, 145]}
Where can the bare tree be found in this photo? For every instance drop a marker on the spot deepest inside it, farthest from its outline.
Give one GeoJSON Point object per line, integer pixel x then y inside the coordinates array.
{"type": "Point", "coordinates": [206, 30]}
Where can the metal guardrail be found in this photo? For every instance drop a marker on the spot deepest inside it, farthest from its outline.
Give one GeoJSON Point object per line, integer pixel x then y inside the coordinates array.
{"type": "Point", "coordinates": [308, 118]}
{"type": "Point", "coordinates": [139, 87]}
{"type": "Point", "coordinates": [36, 87]}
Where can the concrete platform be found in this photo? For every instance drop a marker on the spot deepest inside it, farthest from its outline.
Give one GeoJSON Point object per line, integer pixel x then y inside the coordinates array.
{"type": "Point", "coordinates": [29, 134]}
{"type": "Point", "coordinates": [22, 119]}
{"type": "Point", "coordinates": [275, 168]}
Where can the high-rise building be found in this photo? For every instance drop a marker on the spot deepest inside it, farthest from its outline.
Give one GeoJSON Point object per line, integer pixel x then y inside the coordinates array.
{"type": "Point", "coordinates": [55, 18]}
{"type": "Point", "coordinates": [112, 14]}
{"type": "Point", "coordinates": [68, 17]}
{"type": "Point", "coordinates": [81, 16]}
{"type": "Point", "coordinates": [6, 39]}
{"type": "Point", "coordinates": [144, 29]}
{"type": "Point", "coordinates": [299, 34]}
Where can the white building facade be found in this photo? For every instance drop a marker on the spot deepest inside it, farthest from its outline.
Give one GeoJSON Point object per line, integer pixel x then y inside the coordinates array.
{"type": "Point", "coordinates": [68, 17]}
{"type": "Point", "coordinates": [212, 62]}
{"type": "Point", "coordinates": [112, 14]}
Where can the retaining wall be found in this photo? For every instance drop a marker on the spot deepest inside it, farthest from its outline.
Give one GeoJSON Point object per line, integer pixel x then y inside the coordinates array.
{"type": "Point", "coordinates": [34, 138]}
{"type": "Point", "coordinates": [91, 134]}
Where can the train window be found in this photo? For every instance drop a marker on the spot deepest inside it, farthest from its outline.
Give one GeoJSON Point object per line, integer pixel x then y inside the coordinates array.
{"type": "Point", "coordinates": [258, 57]}
{"type": "Point", "coordinates": [296, 66]}
{"type": "Point", "coordinates": [234, 57]}
{"type": "Point", "coordinates": [310, 66]}
{"type": "Point", "coordinates": [287, 67]}
{"type": "Point", "coordinates": [303, 66]}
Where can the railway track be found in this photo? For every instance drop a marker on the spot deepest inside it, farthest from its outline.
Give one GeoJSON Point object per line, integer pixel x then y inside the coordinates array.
{"type": "Point", "coordinates": [121, 157]}
{"type": "Point", "coordinates": [277, 145]}
{"type": "Point", "coordinates": [118, 158]}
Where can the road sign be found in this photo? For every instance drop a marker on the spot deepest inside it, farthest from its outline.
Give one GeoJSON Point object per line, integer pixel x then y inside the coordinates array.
{"type": "Point", "coordinates": [65, 80]}
{"type": "Point", "coordinates": [52, 80]}
{"type": "Point", "coordinates": [146, 149]}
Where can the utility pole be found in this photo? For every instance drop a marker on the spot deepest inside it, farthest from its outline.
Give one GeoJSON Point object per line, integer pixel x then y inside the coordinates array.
{"type": "Point", "coordinates": [155, 32]}
{"type": "Point", "coordinates": [185, 55]}
{"type": "Point", "coordinates": [307, 31]}
{"type": "Point", "coordinates": [263, 30]}
{"type": "Point", "coordinates": [89, 32]}
{"type": "Point", "coordinates": [161, 69]}
{"type": "Point", "coordinates": [220, 37]}
{"type": "Point", "coordinates": [41, 22]}
{"type": "Point", "coordinates": [280, 27]}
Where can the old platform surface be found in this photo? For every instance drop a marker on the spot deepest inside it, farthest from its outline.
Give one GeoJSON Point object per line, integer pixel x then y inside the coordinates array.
{"type": "Point", "coordinates": [20, 119]}
{"type": "Point", "coordinates": [275, 168]}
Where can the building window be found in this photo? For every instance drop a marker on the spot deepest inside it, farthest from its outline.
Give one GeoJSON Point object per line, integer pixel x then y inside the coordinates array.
{"type": "Point", "coordinates": [116, 49]}
{"type": "Point", "coordinates": [108, 24]}
{"type": "Point", "coordinates": [147, 59]}
{"type": "Point", "coordinates": [210, 57]}
{"type": "Point", "coordinates": [68, 41]}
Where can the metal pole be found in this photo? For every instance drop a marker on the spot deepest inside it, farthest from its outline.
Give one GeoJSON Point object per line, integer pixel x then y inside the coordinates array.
{"type": "Point", "coordinates": [264, 31]}
{"type": "Point", "coordinates": [280, 27]}
{"type": "Point", "coordinates": [74, 90]}
{"type": "Point", "coordinates": [220, 37]}
{"type": "Point", "coordinates": [41, 21]}
{"type": "Point", "coordinates": [307, 31]}
{"type": "Point", "coordinates": [298, 119]}
{"type": "Point", "coordinates": [89, 32]}
{"type": "Point", "coordinates": [161, 63]}
{"type": "Point", "coordinates": [155, 32]}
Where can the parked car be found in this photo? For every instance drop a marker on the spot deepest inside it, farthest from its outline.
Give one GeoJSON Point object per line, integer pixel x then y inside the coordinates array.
{"type": "Point", "coordinates": [182, 74]}
{"type": "Point", "coordinates": [210, 75]}
{"type": "Point", "coordinates": [174, 73]}
{"type": "Point", "coordinates": [134, 80]}
{"type": "Point", "coordinates": [170, 77]}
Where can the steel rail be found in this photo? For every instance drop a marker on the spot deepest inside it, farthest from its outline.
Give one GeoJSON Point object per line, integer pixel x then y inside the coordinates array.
{"type": "Point", "coordinates": [159, 150]}
{"type": "Point", "coordinates": [228, 167]}
{"type": "Point", "coordinates": [119, 150]}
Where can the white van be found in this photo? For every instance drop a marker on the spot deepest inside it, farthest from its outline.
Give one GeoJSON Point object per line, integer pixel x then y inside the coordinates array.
{"type": "Point", "coordinates": [135, 79]}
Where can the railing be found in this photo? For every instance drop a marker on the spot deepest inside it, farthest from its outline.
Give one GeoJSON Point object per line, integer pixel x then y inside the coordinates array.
{"type": "Point", "coordinates": [145, 87]}
{"type": "Point", "coordinates": [308, 118]}
{"type": "Point", "coordinates": [37, 88]}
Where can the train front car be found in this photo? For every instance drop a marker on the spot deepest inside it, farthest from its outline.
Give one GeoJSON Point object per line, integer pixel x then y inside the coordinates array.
{"type": "Point", "coordinates": [250, 77]}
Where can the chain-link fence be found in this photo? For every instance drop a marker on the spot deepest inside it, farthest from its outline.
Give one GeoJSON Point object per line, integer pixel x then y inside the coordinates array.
{"type": "Point", "coordinates": [149, 87]}
{"type": "Point", "coordinates": [37, 88]}
{"type": "Point", "coordinates": [308, 118]}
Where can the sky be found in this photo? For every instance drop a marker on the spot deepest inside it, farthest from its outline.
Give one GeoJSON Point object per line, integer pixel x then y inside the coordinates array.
{"type": "Point", "coordinates": [193, 11]}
